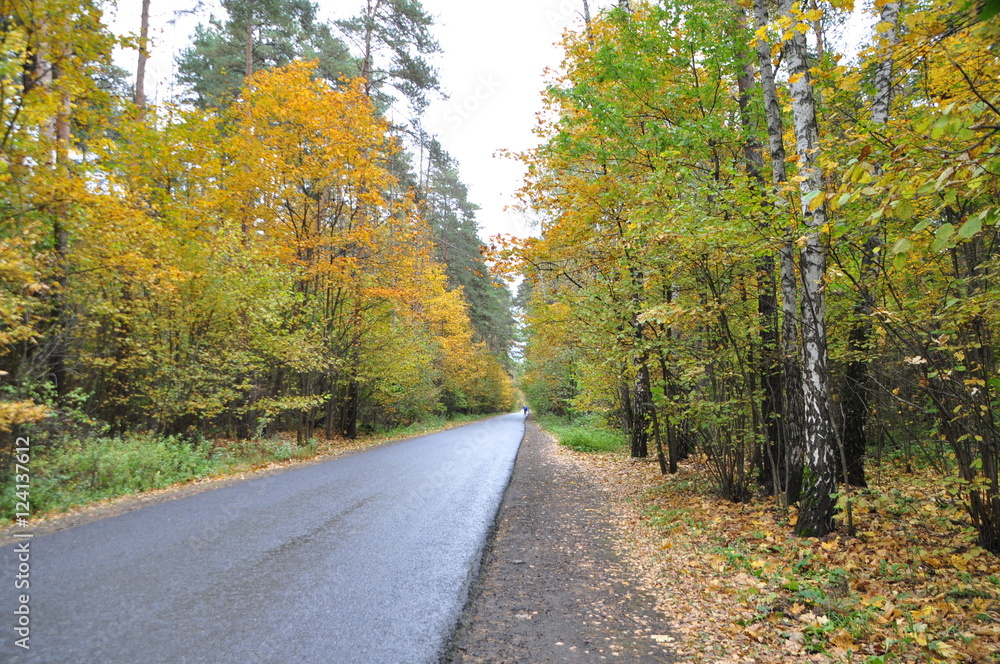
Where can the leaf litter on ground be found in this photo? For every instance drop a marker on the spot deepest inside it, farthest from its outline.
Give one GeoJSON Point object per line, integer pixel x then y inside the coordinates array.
{"type": "Point", "coordinates": [738, 586]}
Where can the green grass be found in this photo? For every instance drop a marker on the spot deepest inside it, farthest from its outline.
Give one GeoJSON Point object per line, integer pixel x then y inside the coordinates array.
{"type": "Point", "coordinates": [584, 434]}
{"type": "Point", "coordinates": [429, 424]}
{"type": "Point", "coordinates": [82, 471]}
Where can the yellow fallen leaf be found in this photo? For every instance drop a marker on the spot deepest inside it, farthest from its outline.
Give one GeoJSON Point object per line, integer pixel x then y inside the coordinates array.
{"type": "Point", "coordinates": [946, 649]}
{"type": "Point", "coordinates": [843, 639]}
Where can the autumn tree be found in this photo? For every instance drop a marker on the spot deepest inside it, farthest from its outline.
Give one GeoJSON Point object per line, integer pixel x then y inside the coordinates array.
{"type": "Point", "coordinates": [922, 177]}
{"type": "Point", "coordinates": [659, 206]}
{"type": "Point", "coordinates": [452, 216]}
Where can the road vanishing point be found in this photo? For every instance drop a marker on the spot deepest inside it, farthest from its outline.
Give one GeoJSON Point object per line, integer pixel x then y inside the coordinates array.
{"type": "Point", "coordinates": [361, 559]}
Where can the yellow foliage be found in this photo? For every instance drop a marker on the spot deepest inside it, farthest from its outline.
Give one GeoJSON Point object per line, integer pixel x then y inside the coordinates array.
{"type": "Point", "coordinates": [14, 413]}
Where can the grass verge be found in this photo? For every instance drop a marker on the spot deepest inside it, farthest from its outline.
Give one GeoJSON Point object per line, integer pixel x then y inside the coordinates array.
{"type": "Point", "coordinates": [584, 434]}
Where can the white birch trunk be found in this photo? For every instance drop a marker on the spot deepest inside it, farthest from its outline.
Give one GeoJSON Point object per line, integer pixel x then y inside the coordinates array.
{"type": "Point", "coordinates": [792, 402]}
{"type": "Point", "coordinates": [820, 479]}
{"type": "Point", "coordinates": [889, 14]}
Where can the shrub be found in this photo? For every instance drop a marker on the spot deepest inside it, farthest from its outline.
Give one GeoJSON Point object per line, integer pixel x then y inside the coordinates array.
{"type": "Point", "coordinates": [587, 434]}
{"type": "Point", "coordinates": [78, 471]}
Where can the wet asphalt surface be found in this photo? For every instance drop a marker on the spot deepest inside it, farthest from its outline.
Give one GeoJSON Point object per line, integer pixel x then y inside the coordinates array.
{"type": "Point", "coordinates": [362, 559]}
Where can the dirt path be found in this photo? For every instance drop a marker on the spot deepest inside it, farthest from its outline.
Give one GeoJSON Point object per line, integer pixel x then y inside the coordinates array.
{"type": "Point", "coordinates": [551, 588]}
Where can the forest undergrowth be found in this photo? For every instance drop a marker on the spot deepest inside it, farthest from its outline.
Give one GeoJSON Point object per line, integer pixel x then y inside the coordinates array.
{"type": "Point", "coordinates": [738, 586]}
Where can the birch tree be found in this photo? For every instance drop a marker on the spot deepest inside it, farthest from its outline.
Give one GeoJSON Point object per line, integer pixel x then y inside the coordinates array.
{"type": "Point", "coordinates": [792, 409]}
{"type": "Point", "coordinates": [820, 474]}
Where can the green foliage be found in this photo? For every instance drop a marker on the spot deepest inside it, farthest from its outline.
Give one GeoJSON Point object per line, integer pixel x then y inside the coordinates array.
{"type": "Point", "coordinates": [279, 31]}
{"type": "Point", "coordinates": [586, 434]}
{"type": "Point", "coordinates": [396, 39]}
{"type": "Point", "coordinates": [78, 471]}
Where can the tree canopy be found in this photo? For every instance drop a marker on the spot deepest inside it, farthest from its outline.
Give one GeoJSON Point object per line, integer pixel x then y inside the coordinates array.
{"type": "Point", "coordinates": [251, 264]}
{"type": "Point", "coordinates": [254, 36]}
{"type": "Point", "coordinates": [781, 315]}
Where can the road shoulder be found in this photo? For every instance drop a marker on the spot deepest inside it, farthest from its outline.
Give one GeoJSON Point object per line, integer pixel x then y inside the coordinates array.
{"type": "Point", "coordinates": [551, 587]}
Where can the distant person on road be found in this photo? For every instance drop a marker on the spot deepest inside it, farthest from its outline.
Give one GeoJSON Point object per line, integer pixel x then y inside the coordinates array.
{"type": "Point", "coordinates": [525, 411]}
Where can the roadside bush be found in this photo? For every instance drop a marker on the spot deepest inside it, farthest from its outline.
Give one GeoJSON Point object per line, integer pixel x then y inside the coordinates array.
{"type": "Point", "coordinates": [77, 472]}
{"type": "Point", "coordinates": [586, 434]}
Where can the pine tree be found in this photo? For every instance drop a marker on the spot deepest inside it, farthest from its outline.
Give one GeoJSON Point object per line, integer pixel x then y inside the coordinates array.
{"type": "Point", "coordinates": [453, 220]}
{"type": "Point", "coordinates": [254, 36]}
{"type": "Point", "coordinates": [394, 39]}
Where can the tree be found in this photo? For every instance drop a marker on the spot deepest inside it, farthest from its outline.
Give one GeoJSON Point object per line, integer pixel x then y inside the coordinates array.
{"type": "Point", "coordinates": [236, 270]}
{"type": "Point", "coordinates": [926, 177]}
{"type": "Point", "coordinates": [619, 131]}
{"type": "Point", "coordinates": [857, 396]}
{"type": "Point", "coordinates": [452, 217]}
{"type": "Point", "coordinates": [394, 39]}
{"type": "Point", "coordinates": [657, 233]}
{"type": "Point", "coordinates": [791, 398]}
{"type": "Point", "coordinates": [820, 483]}
{"type": "Point", "coordinates": [139, 97]}
{"type": "Point", "coordinates": [309, 183]}
{"type": "Point", "coordinates": [254, 36]}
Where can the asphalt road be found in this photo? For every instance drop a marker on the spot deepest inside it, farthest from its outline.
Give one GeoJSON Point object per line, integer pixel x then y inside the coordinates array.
{"type": "Point", "coordinates": [362, 559]}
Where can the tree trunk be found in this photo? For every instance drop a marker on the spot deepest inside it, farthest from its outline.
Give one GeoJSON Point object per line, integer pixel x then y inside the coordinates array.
{"type": "Point", "coordinates": [791, 394]}
{"type": "Point", "coordinates": [368, 55]}
{"type": "Point", "coordinates": [60, 237]}
{"type": "Point", "coordinates": [792, 370]}
{"type": "Point", "coordinates": [350, 428]}
{"type": "Point", "coordinates": [248, 52]}
{"type": "Point", "coordinates": [657, 436]}
{"type": "Point", "coordinates": [628, 416]}
{"type": "Point", "coordinates": [857, 405]}
{"type": "Point", "coordinates": [674, 451]}
{"type": "Point", "coordinates": [330, 408]}
{"type": "Point", "coordinates": [642, 403]}
{"type": "Point", "coordinates": [768, 362]}
{"type": "Point", "coordinates": [820, 477]}
{"type": "Point", "coordinates": [641, 408]}
{"type": "Point", "coordinates": [856, 386]}
{"type": "Point", "coordinates": [140, 72]}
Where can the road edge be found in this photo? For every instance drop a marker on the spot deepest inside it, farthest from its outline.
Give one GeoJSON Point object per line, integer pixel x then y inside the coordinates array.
{"type": "Point", "coordinates": [471, 588]}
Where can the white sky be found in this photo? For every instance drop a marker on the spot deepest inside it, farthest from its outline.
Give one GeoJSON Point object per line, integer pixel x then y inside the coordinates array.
{"type": "Point", "coordinates": [494, 56]}
{"type": "Point", "coordinates": [491, 67]}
